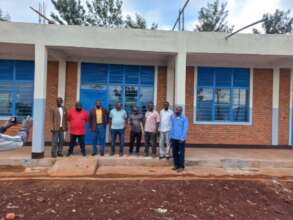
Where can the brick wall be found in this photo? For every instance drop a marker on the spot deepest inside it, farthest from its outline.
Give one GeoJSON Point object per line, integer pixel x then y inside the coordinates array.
{"type": "Point", "coordinates": [52, 92]}
{"type": "Point", "coordinates": [284, 105]}
{"type": "Point", "coordinates": [71, 84]}
{"type": "Point", "coordinates": [258, 133]}
{"type": "Point", "coordinates": [161, 87]}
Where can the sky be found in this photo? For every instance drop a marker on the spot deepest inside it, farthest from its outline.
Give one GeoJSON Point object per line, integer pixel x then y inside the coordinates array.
{"type": "Point", "coordinates": [162, 12]}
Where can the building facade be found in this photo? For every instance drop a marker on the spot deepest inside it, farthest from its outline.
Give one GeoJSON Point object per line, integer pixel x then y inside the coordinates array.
{"type": "Point", "coordinates": [234, 92]}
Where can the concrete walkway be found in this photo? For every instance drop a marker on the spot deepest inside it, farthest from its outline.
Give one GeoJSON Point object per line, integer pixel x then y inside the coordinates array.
{"type": "Point", "coordinates": [199, 162]}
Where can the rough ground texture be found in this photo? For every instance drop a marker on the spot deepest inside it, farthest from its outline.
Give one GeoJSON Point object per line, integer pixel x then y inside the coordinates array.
{"type": "Point", "coordinates": [146, 199]}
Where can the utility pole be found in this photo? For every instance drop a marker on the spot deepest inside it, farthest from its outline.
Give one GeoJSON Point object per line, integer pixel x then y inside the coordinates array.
{"type": "Point", "coordinates": [180, 19]}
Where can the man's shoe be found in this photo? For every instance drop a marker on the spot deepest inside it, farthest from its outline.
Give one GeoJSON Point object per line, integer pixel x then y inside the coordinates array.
{"type": "Point", "coordinates": [121, 154]}
{"type": "Point", "coordinates": [161, 158]}
{"type": "Point", "coordinates": [180, 170]}
{"type": "Point", "coordinates": [112, 153]}
{"type": "Point", "coordinates": [60, 155]}
{"type": "Point", "coordinates": [174, 168]}
{"type": "Point", "coordinates": [83, 154]}
{"type": "Point", "coordinates": [168, 158]}
{"type": "Point", "coordinates": [68, 154]}
{"type": "Point", "coordinates": [146, 154]}
{"type": "Point", "coordinates": [102, 154]}
{"type": "Point", "coordinates": [94, 154]}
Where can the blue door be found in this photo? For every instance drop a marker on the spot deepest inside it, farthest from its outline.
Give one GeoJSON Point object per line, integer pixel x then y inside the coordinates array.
{"type": "Point", "coordinates": [109, 83]}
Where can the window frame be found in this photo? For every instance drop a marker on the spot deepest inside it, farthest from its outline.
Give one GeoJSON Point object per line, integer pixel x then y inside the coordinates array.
{"type": "Point", "coordinates": [15, 83]}
{"type": "Point", "coordinates": [250, 101]}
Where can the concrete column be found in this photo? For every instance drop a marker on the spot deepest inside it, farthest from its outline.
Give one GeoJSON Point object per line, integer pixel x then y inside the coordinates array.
{"type": "Point", "coordinates": [275, 107]}
{"type": "Point", "coordinates": [180, 78]}
{"type": "Point", "coordinates": [40, 87]}
{"type": "Point", "coordinates": [62, 79]}
{"type": "Point", "coordinates": [170, 81]}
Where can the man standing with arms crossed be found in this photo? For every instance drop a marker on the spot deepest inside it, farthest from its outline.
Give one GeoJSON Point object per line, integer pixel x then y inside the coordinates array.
{"type": "Point", "coordinates": [59, 127]}
{"type": "Point", "coordinates": [165, 127]}
{"type": "Point", "coordinates": [179, 129]}
{"type": "Point", "coordinates": [98, 120]}
{"type": "Point", "coordinates": [77, 118]}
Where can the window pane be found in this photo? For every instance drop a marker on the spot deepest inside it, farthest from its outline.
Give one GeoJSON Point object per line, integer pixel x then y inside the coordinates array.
{"type": "Point", "coordinates": [24, 99]}
{"type": "Point", "coordinates": [5, 98]}
{"type": "Point", "coordinates": [223, 77]}
{"type": "Point", "coordinates": [222, 104]}
{"type": "Point", "coordinates": [115, 95]}
{"type": "Point", "coordinates": [204, 104]}
{"type": "Point", "coordinates": [146, 96]}
{"type": "Point", "coordinates": [131, 94]}
{"type": "Point", "coordinates": [240, 105]}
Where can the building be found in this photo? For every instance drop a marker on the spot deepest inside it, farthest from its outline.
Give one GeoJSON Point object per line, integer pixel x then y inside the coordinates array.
{"type": "Point", "coordinates": [234, 92]}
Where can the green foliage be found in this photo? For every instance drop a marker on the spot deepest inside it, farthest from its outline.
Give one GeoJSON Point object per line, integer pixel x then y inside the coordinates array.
{"type": "Point", "coordinates": [70, 12]}
{"type": "Point", "coordinates": [4, 17]}
{"type": "Point", "coordinates": [278, 23]}
{"type": "Point", "coordinates": [214, 18]}
{"type": "Point", "coordinates": [105, 13]}
{"type": "Point", "coordinates": [101, 13]}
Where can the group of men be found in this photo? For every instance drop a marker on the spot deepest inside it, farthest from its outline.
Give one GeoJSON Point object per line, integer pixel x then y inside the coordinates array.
{"type": "Point", "coordinates": [171, 127]}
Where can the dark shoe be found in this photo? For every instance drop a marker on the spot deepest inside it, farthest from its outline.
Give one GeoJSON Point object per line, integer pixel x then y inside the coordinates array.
{"type": "Point", "coordinates": [60, 155]}
{"type": "Point", "coordinates": [102, 154]}
{"type": "Point", "coordinates": [168, 158]}
{"type": "Point", "coordinates": [161, 158]}
{"type": "Point", "coordinates": [174, 168]}
{"type": "Point", "coordinates": [121, 154]}
{"type": "Point", "coordinates": [112, 153]}
{"type": "Point", "coordinates": [146, 154]}
{"type": "Point", "coordinates": [68, 154]}
{"type": "Point", "coordinates": [83, 154]}
{"type": "Point", "coordinates": [94, 154]}
{"type": "Point", "coordinates": [180, 170]}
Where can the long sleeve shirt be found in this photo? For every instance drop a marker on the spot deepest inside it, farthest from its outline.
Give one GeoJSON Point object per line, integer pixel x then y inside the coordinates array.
{"type": "Point", "coordinates": [179, 127]}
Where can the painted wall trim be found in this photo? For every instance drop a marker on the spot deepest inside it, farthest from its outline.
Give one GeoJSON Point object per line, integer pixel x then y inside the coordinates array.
{"type": "Point", "coordinates": [290, 107]}
{"type": "Point", "coordinates": [156, 86]}
{"type": "Point", "coordinates": [275, 106]}
{"type": "Point", "coordinates": [195, 95]}
{"type": "Point", "coordinates": [61, 78]}
{"type": "Point", "coordinates": [78, 81]}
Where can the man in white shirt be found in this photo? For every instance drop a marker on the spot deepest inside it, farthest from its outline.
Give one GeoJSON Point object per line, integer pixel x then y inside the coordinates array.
{"type": "Point", "coordinates": [165, 128]}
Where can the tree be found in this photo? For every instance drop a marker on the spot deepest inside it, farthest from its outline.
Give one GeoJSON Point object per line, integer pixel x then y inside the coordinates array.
{"type": "Point", "coordinates": [105, 13]}
{"type": "Point", "coordinates": [278, 23]}
{"type": "Point", "coordinates": [70, 12]}
{"type": "Point", "coordinates": [4, 17]}
{"type": "Point", "coordinates": [213, 18]}
{"type": "Point", "coordinates": [138, 23]}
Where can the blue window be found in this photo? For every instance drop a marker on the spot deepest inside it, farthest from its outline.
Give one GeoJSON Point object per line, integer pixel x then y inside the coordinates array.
{"type": "Point", "coordinates": [16, 87]}
{"type": "Point", "coordinates": [128, 84]}
{"type": "Point", "coordinates": [222, 94]}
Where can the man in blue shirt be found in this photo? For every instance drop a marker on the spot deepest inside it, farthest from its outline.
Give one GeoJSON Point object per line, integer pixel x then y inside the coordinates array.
{"type": "Point", "coordinates": [179, 128]}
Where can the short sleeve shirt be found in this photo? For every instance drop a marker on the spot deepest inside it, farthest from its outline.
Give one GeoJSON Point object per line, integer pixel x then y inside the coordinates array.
{"type": "Point", "coordinates": [151, 120]}
{"type": "Point", "coordinates": [135, 122]}
{"type": "Point", "coordinates": [118, 118]}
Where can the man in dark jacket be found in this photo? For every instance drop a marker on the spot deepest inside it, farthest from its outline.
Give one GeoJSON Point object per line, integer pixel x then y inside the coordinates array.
{"type": "Point", "coordinates": [59, 127]}
{"type": "Point", "coordinates": [98, 120]}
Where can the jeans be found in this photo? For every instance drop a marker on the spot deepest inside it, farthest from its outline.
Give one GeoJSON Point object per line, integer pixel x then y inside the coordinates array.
{"type": "Point", "coordinates": [57, 142]}
{"type": "Point", "coordinates": [120, 133]}
{"type": "Point", "coordinates": [164, 144]}
{"type": "Point", "coordinates": [150, 140]}
{"type": "Point", "coordinates": [80, 139]}
{"type": "Point", "coordinates": [178, 153]}
{"type": "Point", "coordinates": [135, 138]}
{"type": "Point", "coordinates": [99, 136]}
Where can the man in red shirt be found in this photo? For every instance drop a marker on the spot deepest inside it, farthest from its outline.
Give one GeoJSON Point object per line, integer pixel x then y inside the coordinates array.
{"type": "Point", "coordinates": [77, 118]}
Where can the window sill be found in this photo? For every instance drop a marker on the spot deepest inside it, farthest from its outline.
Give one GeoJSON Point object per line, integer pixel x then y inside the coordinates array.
{"type": "Point", "coordinates": [222, 123]}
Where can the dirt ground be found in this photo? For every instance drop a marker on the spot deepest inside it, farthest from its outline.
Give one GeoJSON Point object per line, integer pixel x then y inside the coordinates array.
{"type": "Point", "coordinates": [146, 199]}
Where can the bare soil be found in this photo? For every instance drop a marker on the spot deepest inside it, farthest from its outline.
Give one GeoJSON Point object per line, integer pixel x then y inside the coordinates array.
{"type": "Point", "coordinates": [146, 199]}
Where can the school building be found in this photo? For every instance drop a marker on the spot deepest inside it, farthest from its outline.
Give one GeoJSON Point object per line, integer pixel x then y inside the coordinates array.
{"type": "Point", "coordinates": [234, 92]}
